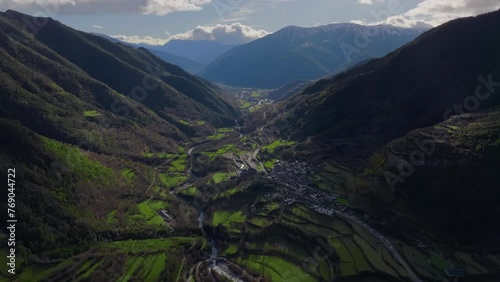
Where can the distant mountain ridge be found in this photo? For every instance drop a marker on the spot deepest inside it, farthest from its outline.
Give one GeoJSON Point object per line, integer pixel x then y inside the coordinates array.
{"type": "Point", "coordinates": [189, 65]}
{"type": "Point", "coordinates": [385, 98]}
{"type": "Point", "coordinates": [192, 55]}
{"type": "Point", "coordinates": [203, 51]}
{"type": "Point", "coordinates": [295, 53]}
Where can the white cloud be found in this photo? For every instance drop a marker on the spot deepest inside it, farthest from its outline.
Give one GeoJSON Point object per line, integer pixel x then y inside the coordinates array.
{"type": "Point", "coordinates": [98, 26]}
{"type": "Point", "coordinates": [232, 34]}
{"type": "Point", "coordinates": [148, 7]}
{"type": "Point", "coordinates": [136, 39]}
{"type": "Point", "coordinates": [436, 12]}
{"type": "Point", "coordinates": [164, 7]}
{"type": "Point", "coordinates": [369, 2]}
{"type": "Point", "coordinates": [44, 2]}
{"type": "Point", "coordinates": [235, 33]}
{"type": "Point", "coordinates": [41, 2]}
{"type": "Point", "coordinates": [360, 22]}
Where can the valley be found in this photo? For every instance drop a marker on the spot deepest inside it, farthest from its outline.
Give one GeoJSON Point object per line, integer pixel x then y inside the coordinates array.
{"type": "Point", "coordinates": [265, 216]}
{"type": "Point", "coordinates": [161, 175]}
{"type": "Point", "coordinates": [292, 200]}
{"type": "Point", "coordinates": [261, 214]}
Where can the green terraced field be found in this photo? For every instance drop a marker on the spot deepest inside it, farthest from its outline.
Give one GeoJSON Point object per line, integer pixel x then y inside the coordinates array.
{"type": "Point", "coordinates": [358, 249]}
{"type": "Point", "coordinates": [225, 130]}
{"type": "Point", "coordinates": [373, 256]}
{"type": "Point", "coordinates": [334, 178]}
{"type": "Point", "coordinates": [255, 94]}
{"type": "Point", "coordinates": [144, 268]}
{"type": "Point", "coordinates": [192, 123]}
{"type": "Point", "coordinates": [172, 181]}
{"type": "Point", "coordinates": [179, 164]}
{"type": "Point", "coordinates": [219, 177]}
{"type": "Point", "coordinates": [276, 144]}
{"type": "Point", "coordinates": [470, 264]}
{"type": "Point", "coordinates": [147, 211]}
{"type": "Point", "coordinates": [230, 148]}
{"type": "Point", "coordinates": [138, 246]}
{"type": "Point", "coordinates": [216, 136]}
{"type": "Point", "coordinates": [439, 262]}
{"type": "Point", "coordinates": [347, 265]}
{"type": "Point", "coordinates": [275, 268]}
{"type": "Point", "coordinates": [92, 113]}
{"type": "Point", "coordinates": [260, 221]}
{"type": "Point", "coordinates": [231, 250]}
{"type": "Point", "coordinates": [78, 162]}
{"type": "Point", "coordinates": [245, 105]}
{"type": "Point", "coordinates": [89, 267]}
{"type": "Point", "coordinates": [270, 164]}
{"type": "Point", "coordinates": [129, 174]}
{"type": "Point", "coordinates": [280, 244]}
{"type": "Point", "coordinates": [39, 272]}
{"type": "Point", "coordinates": [227, 219]}
{"type": "Point", "coordinates": [421, 263]}
{"type": "Point", "coordinates": [191, 191]}
{"type": "Point", "coordinates": [228, 193]}
{"type": "Point", "coordinates": [146, 260]}
{"type": "Point", "coordinates": [358, 257]}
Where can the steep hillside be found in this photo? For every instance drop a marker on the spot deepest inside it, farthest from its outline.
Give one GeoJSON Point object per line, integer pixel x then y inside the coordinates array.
{"type": "Point", "coordinates": [92, 163]}
{"type": "Point", "coordinates": [288, 90]}
{"type": "Point", "coordinates": [445, 175]}
{"type": "Point", "coordinates": [166, 89]}
{"type": "Point", "coordinates": [360, 110]}
{"type": "Point", "coordinates": [295, 53]}
{"type": "Point", "coordinates": [58, 100]}
{"type": "Point", "coordinates": [74, 207]}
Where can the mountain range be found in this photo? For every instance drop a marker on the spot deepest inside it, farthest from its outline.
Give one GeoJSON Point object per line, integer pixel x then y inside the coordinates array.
{"type": "Point", "coordinates": [130, 168]}
{"type": "Point", "coordinates": [350, 117]}
{"type": "Point", "coordinates": [191, 55]}
{"type": "Point", "coordinates": [188, 65]}
{"type": "Point", "coordinates": [295, 53]}
{"type": "Point", "coordinates": [203, 51]}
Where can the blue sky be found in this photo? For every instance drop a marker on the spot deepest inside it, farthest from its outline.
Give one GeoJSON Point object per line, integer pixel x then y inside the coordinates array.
{"type": "Point", "coordinates": [235, 21]}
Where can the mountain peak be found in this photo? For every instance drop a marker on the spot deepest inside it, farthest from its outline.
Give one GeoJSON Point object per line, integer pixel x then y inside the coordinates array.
{"type": "Point", "coordinates": [299, 53]}
{"type": "Point", "coordinates": [15, 14]}
{"type": "Point", "coordinates": [292, 27]}
{"type": "Point", "coordinates": [21, 18]}
{"type": "Point", "coordinates": [457, 52]}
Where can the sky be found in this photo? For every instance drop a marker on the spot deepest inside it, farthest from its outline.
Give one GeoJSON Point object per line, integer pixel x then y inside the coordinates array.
{"type": "Point", "coordinates": [238, 21]}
